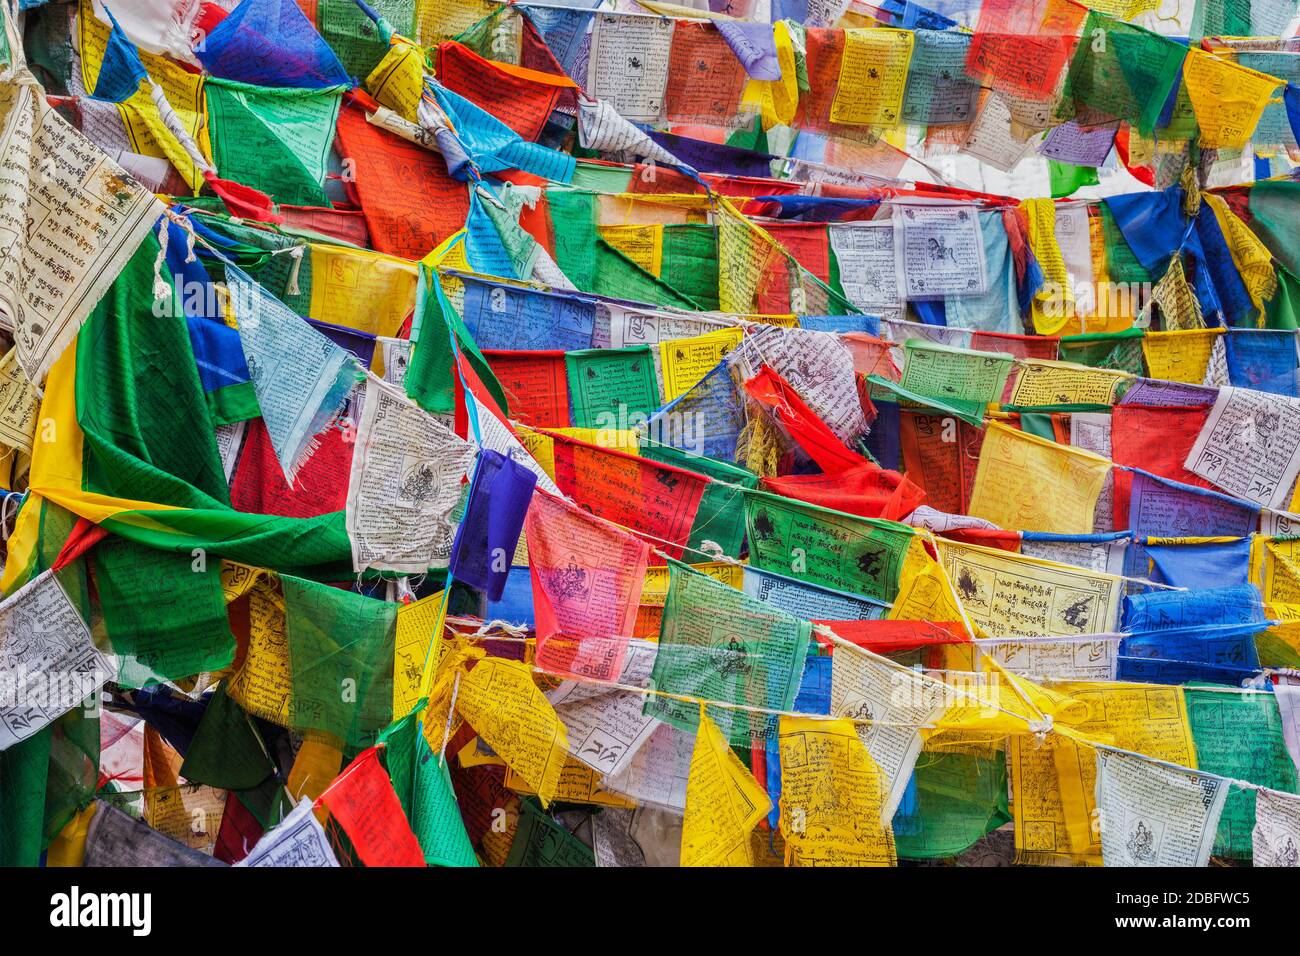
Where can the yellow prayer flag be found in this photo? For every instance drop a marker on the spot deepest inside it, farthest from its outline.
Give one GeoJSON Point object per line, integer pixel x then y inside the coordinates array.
{"type": "Point", "coordinates": [398, 80]}
{"type": "Point", "coordinates": [578, 784]}
{"type": "Point", "coordinates": [263, 685]}
{"type": "Point", "coordinates": [831, 796]}
{"type": "Point", "coordinates": [69, 847]}
{"type": "Point", "coordinates": [873, 76]}
{"type": "Point", "coordinates": [723, 803]}
{"type": "Point", "coordinates": [1180, 310]}
{"type": "Point", "coordinates": [1227, 97]}
{"type": "Point", "coordinates": [776, 101]}
{"type": "Point", "coordinates": [540, 444]}
{"type": "Point", "coordinates": [362, 290]}
{"type": "Point", "coordinates": [1027, 483]}
{"type": "Point", "coordinates": [437, 20]}
{"type": "Point", "coordinates": [685, 361]}
{"type": "Point", "coordinates": [1053, 304]}
{"type": "Point", "coordinates": [643, 244]}
{"type": "Point", "coordinates": [419, 625]}
{"type": "Point", "coordinates": [924, 591]}
{"type": "Point", "coordinates": [146, 132]}
{"type": "Point", "coordinates": [1252, 258]}
{"type": "Point", "coordinates": [1180, 356]}
{"type": "Point", "coordinates": [500, 701]}
{"type": "Point", "coordinates": [1055, 806]}
{"type": "Point", "coordinates": [744, 252]}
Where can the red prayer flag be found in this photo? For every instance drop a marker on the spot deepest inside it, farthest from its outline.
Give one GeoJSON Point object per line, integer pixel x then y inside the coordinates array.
{"type": "Point", "coordinates": [364, 804]}
{"type": "Point", "coordinates": [866, 489]}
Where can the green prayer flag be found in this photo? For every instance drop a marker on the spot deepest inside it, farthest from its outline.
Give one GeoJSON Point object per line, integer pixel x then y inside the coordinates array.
{"type": "Point", "coordinates": [424, 788]}
{"type": "Point", "coordinates": [1239, 735]}
{"type": "Point", "coordinates": [227, 750]}
{"type": "Point", "coordinates": [959, 798]}
{"type": "Point", "coordinates": [608, 387]}
{"type": "Point", "coordinates": [274, 139]}
{"type": "Point", "coordinates": [341, 660]}
{"type": "Point", "coordinates": [165, 613]}
{"type": "Point", "coordinates": [1066, 178]}
{"type": "Point", "coordinates": [1121, 71]}
{"type": "Point", "coordinates": [837, 550]}
{"type": "Point", "coordinates": [431, 376]}
{"type": "Point", "coordinates": [540, 841]}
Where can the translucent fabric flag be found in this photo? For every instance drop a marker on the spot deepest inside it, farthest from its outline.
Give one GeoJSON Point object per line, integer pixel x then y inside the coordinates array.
{"type": "Point", "coordinates": [957, 374]}
{"type": "Point", "coordinates": [364, 805]}
{"type": "Point", "coordinates": [116, 838]}
{"type": "Point", "coordinates": [1250, 446]}
{"type": "Point", "coordinates": [1228, 98]}
{"type": "Point", "coordinates": [683, 362]}
{"type": "Point", "coordinates": [609, 386]}
{"type": "Point", "coordinates": [519, 97]}
{"type": "Point", "coordinates": [1261, 359]}
{"type": "Point", "coordinates": [49, 663]}
{"type": "Point", "coordinates": [1022, 47]}
{"type": "Point", "coordinates": [500, 701]}
{"type": "Point", "coordinates": [587, 577]}
{"type": "Point", "coordinates": [165, 613]}
{"type": "Point", "coordinates": [408, 473]}
{"type": "Point", "coordinates": [723, 803]}
{"type": "Point", "coordinates": [340, 654]}
{"type": "Point", "coordinates": [301, 378]}
{"type": "Point", "coordinates": [1122, 71]}
{"type": "Point", "coordinates": [707, 420]}
{"type": "Point", "coordinates": [1154, 815]}
{"type": "Point", "coordinates": [354, 34]}
{"type": "Point", "coordinates": [270, 43]}
{"type": "Point", "coordinates": [535, 384]}
{"type": "Point", "coordinates": [718, 644]}
{"type": "Point", "coordinates": [817, 365]}
{"type": "Point", "coordinates": [320, 486]}
{"type": "Point", "coordinates": [1026, 483]}
{"type": "Point", "coordinates": [831, 796]}
{"type": "Point", "coordinates": [540, 841]}
{"type": "Point", "coordinates": [1201, 564]}
{"type": "Point", "coordinates": [227, 750]}
{"type": "Point", "coordinates": [1177, 636]}
{"type": "Point", "coordinates": [938, 90]}
{"type": "Point", "coordinates": [941, 455]}
{"type": "Point", "coordinates": [502, 316]}
{"type": "Point", "coordinates": [1182, 355]}
{"type": "Point", "coordinates": [275, 139]}
{"type": "Point", "coordinates": [409, 201]}
{"type": "Point", "coordinates": [419, 645]}
{"type": "Point", "coordinates": [1069, 600]}
{"type": "Point", "coordinates": [494, 518]}
{"type": "Point", "coordinates": [1160, 506]}
{"type": "Point", "coordinates": [865, 489]}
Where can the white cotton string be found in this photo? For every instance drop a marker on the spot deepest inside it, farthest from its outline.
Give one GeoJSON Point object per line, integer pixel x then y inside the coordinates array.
{"type": "Point", "coordinates": [295, 253]}
{"type": "Point", "coordinates": [5, 516]}
{"type": "Point", "coordinates": [161, 288]}
{"type": "Point", "coordinates": [446, 730]}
